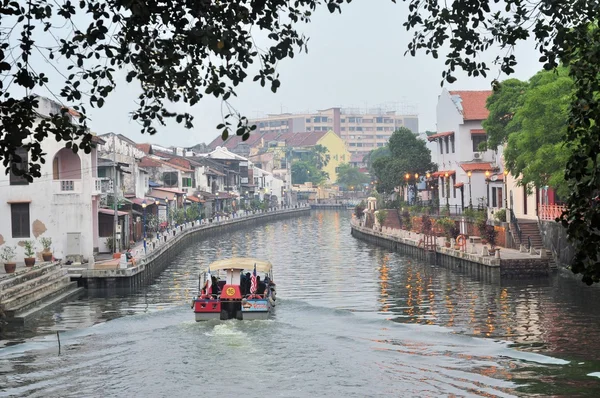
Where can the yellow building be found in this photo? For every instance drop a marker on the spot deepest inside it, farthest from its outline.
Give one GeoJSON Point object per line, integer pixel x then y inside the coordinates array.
{"type": "Point", "coordinates": [261, 146]}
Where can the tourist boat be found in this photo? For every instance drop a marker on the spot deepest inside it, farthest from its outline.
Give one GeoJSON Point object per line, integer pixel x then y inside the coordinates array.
{"type": "Point", "coordinates": [235, 297]}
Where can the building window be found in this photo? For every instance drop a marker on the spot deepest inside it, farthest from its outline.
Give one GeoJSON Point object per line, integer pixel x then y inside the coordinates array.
{"type": "Point", "coordinates": [494, 197]}
{"type": "Point", "coordinates": [452, 143]}
{"type": "Point", "coordinates": [186, 182]}
{"type": "Point", "coordinates": [447, 146]}
{"type": "Point", "coordinates": [379, 120]}
{"type": "Point", "coordinates": [478, 139]}
{"type": "Point", "coordinates": [379, 128]}
{"type": "Point", "coordinates": [359, 129]}
{"type": "Point", "coordinates": [442, 187]}
{"type": "Point", "coordinates": [351, 120]}
{"type": "Point", "coordinates": [343, 128]}
{"type": "Point", "coordinates": [441, 147]}
{"type": "Point", "coordinates": [170, 179]}
{"type": "Point", "coordinates": [20, 220]}
{"type": "Point", "coordinates": [307, 120]}
{"type": "Point", "coordinates": [20, 164]}
{"type": "Point", "coordinates": [343, 120]}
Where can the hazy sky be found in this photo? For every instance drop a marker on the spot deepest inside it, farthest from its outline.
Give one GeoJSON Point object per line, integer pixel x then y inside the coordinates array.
{"type": "Point", "coordinates": [355, 59]}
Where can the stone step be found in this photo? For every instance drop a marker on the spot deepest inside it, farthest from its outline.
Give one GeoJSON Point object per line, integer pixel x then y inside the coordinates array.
{"type": "Point", "coordinates": [67, 291]}
{"type": "Point", "coordinates": [7, 294]}
{"type": "Point", "coordinates": [39, 292]}
{"type": "Point", "coordinates": [24, 275]}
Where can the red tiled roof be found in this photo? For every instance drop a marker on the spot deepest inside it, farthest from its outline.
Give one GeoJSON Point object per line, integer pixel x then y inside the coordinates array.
{"type": "Point", "coordinates": [476, 166]}
{"type": "Point", "coordinates": [180, 162]}
{"type": "Point", "coordinates": [459, 184]}
{"type": "Point", "coordinates": [442, 173]}
{"type": "Point", "coordinates": [144, 147]}
{"type": "Point", "coordinates": [473, 104]}
{"type": "Point", "coordinates": [478, 132]}
{"type": "Point", "coordinates": [193, 198]}
{"type": "Point", "coordinates": [149, 162]}
{"type": "Point", "coordinates": [111, 212]}
{"type": "Point", "coordinates": [357, 157]}
{"type": "Point", "coordinates": [499, 177]}
{"type": "Point", "coordinates": [440, 135]}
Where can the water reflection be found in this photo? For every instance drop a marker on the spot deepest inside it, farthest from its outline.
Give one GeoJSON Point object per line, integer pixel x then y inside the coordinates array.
{"type": "Point", "coordinates": [338, 297]}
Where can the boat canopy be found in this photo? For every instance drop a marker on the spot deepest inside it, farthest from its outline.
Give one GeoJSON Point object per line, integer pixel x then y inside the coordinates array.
{"type": "Point", "coordinates": [246, 263]}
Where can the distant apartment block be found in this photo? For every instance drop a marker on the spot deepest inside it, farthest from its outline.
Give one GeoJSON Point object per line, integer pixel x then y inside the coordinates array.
{"type": "Point", "coordinates": [363, 130]}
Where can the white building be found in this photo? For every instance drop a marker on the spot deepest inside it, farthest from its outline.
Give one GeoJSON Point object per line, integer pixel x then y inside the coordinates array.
{"type": "Point", "coordinates": [459, 136]}
{"type": "Point", "coordinates": [119, 148]}
{"type": "Point", "coordinates": [62, 204]}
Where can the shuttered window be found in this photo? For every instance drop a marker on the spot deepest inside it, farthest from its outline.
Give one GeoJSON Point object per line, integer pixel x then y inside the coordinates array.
{"type": "Point", "coordinates": [20, 220]}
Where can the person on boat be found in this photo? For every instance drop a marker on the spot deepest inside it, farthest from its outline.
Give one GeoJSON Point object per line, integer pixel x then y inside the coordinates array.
{"type": "Point", "coordinates": [248, 283]}
{"type": "Point", "coordinates": [261, 286]}
{"type": "Point", "coordinates": [243, 283]}
{"type": "Point", "coordinates": [215, 286]}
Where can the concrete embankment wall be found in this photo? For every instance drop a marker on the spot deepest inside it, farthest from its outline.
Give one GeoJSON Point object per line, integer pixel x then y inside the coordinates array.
{"type": "Point", "coordinates": [160, 254]}
{"type": "Point", "coordinates": [483, 267]}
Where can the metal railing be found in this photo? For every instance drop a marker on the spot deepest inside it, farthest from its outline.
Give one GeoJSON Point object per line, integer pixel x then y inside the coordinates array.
{"type": "Point", "coordinates": [515, 222]}
{"type": "Point", "coordinates": [550, 212]}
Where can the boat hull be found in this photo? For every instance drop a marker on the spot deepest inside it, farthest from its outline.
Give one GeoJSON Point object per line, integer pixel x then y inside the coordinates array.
{"type": "Point", "coordinates": [205, 310]}
{"type": "Point", "coordinates": [256, 309]}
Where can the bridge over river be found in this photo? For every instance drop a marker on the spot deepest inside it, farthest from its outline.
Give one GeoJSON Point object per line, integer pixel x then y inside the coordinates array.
{"type": "Point", "coordinates": [353, 320]}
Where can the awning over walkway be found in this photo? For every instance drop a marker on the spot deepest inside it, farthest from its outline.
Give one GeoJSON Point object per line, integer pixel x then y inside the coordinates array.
{"type": "Point", "coordinates": [111, 212]}
{"type": "Point", "coordinates": [440, 135]}
{"type": "Point", "coordinates": [442, 173]}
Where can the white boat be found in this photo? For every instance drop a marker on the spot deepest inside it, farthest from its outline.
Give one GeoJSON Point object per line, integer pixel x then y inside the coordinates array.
{"type": "Point", "coordinates": [232, 298]}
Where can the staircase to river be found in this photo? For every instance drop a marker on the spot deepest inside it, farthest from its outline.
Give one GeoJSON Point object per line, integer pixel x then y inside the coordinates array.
{"type": "Point", "coordinates": [29, 291]}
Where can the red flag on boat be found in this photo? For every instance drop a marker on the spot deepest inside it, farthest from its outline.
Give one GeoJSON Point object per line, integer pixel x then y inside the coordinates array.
{"type": "Point", "coordinates": [253, 284]}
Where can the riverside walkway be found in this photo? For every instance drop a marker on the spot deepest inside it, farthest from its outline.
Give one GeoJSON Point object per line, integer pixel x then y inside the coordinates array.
{"type": "Point", "coordinates": [149, 261]}
{"type": "Point", "coordinates": [508, 263]}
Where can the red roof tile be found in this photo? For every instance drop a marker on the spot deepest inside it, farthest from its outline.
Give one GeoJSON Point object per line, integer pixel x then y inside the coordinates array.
{"type": "Point", "coordinates": [473, 104]}
{"type": "Point", "coordinates": [433, 137]}
{"type": "Point", "coordinates": [477, 132]}
{"type": "Point", "coordinates": [476, 166]}
{"type": "Point", "coordinates": [149, 162]}
{"type": "Point", "coordinates": [442, 173]}
{"type": "Point", "coordinates": [180, 162]}
{"type": "Point", "coordinates": [144, 148]}
{"type": "Point", "coordinates": [459, 184]}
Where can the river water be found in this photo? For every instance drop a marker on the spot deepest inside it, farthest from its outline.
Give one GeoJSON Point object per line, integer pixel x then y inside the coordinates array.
{"type": "Point", "coordinates": [352, 320]}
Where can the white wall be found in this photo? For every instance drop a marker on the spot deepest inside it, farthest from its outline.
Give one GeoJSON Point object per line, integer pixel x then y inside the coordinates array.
{"type": "Point", "coordinates": [52, 213]}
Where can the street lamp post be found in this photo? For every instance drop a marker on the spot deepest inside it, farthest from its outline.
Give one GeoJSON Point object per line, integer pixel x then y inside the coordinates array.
{"type": "Point", "coordinates": [505, 189]}
{"type": "Point", "coordinates": [447, 175]}
{"type": "Point", "coordinates": [406, 176]}
{"type": "Point", "coordinates": [144, 221]}
{"type": "Point", "coordinates": [416, 190]}
{"type": "Point", "coordinates": [427, 176]}
{"type": "Point", "coordinates": [184, 207]}
{"type": "Point", "coordinates": [487, 187]}
{"type": "Point", "coordinates": [167, 202]}
{"type": "Point", "coordinates": [199, 207]}
{"type": "Point", "coordinates": [469, 174]}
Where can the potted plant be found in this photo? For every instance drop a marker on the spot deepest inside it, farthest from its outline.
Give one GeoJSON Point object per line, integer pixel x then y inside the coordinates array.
{"type": "Point", "coordinates": [490, 235]}
{"type": "Point", "coordinates": [7, 254]}
{"type": "Point", "coordinates": [46, 253]}
{"type": "Point", "coordinates": [447, 224]}
{"type": "Point", "coordinates": [381, 217]}
{"type": "Point", "coordinates": [29, 253]}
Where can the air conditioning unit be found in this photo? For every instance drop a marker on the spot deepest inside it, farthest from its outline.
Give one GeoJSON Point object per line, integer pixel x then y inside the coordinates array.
{"type": "Point", "coordinates": [477, 155]}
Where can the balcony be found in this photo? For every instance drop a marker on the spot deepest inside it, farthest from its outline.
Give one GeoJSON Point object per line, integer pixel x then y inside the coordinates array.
{"type": "Point", "coordinates": [62, 187]}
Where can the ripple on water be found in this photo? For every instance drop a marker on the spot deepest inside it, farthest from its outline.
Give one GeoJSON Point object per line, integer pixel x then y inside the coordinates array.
{"type": "Point", "coordinates": [351, 318]}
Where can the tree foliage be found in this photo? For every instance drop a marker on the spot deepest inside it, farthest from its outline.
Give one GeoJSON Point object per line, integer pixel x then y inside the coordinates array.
{"type": "Point", "coordinates": [373, 155]}
{"type": "Point", "coordinates": [532, 118]}
{"type": "Point", "coordinates": [565, 32]}
{"type": "Point", "coordinates": [408, 154]}
{"type": "Point", "coordinates": [319, 156]}
{"type": "Point", "coordinates": [305, 171]}
{"type": "Point", "coordinates": [178, 51]}
{"type": "Point", "coordinates": [350, 177]}
{"type": "Point", "coordinates": [503, 104]}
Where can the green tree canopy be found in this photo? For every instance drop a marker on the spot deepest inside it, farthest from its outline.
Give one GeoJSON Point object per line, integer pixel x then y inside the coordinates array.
{"type": "Point", "coordinates": [319, 155]}
{"type": "Point", "coordinates": [305, 171]}
{"type": "Point", "coordinates": [408, 154]}
{"type": "Point", "coordinates": [536, 150]}
{"type": "Point", "coordinates": [503, 104]}
{"type": "Point", "coordinates": [349, 176]}
{"type": "Point", "coordinates": [373, 155]}
{"type": "Point", "coordinates": [176, 50]}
